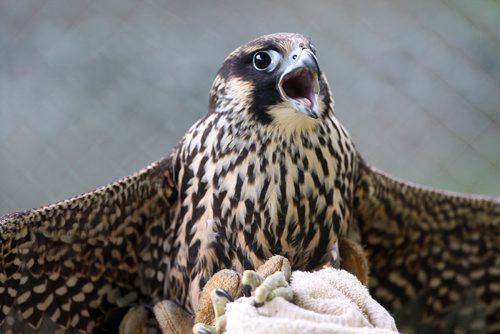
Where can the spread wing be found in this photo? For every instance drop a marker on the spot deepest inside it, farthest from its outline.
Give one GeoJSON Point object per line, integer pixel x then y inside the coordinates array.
{"type": "Point", "coordinates": [434, 255]}
{"type": "Point", "coordinates": [65, 265]}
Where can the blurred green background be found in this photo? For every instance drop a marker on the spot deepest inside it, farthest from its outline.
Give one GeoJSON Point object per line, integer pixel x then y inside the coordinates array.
{"type": "Point", "coordinates": [91, 91]}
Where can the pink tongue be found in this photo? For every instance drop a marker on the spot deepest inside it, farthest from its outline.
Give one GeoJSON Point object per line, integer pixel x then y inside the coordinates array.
{"type": "Point", "coordinates": [305, 101]}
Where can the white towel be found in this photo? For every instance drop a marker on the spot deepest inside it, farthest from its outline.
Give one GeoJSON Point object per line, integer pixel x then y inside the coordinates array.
{"type": "Point", "coordinates": [326, 301]}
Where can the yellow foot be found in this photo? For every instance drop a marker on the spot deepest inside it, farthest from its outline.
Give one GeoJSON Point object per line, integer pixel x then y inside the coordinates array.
{"type": "Point", "coordinates": [275, 285]}
{"type": "Point", "coordinates": [268, 282]}
{"type": "Point", "coordinates": [220, 298]}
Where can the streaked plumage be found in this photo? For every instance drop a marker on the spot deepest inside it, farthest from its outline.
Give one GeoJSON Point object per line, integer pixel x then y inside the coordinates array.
{"type": "Point", "coordinates": [269, 170]}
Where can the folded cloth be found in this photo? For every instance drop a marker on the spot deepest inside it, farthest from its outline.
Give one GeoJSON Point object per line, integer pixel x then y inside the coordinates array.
{"type": "Point", "coordinates": [326, 301]}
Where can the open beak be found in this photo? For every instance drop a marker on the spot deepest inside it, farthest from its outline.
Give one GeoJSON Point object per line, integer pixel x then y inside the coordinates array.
{"type": "Point", "coordinates": [299, 84]}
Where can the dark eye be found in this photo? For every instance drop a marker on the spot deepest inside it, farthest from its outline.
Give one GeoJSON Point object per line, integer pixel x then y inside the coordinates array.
{"type": "Point", "coordinates": [262, 60]}
{"type": "Point", "coordinates": [266, 60]}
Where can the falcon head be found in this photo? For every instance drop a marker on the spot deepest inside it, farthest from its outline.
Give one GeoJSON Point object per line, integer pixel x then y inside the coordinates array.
{"type": "Point", "coordinates": [273, 79]}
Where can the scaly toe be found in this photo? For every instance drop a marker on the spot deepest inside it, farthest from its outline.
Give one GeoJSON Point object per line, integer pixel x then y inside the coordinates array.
{"type": "Point", "coordinates": [272, 287]}
{"type": "Point", "coordinates": [250, 280]}
{"type": "Point", "coordinates": [220, 298]}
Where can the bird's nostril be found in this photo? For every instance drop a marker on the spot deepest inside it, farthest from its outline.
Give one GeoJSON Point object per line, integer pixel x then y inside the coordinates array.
{"type": "Point", "coordinates": [294, 57]}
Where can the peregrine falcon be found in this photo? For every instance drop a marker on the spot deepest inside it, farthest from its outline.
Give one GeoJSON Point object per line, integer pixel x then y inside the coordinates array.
{"type": "Point", "coordinates": [268, 170]}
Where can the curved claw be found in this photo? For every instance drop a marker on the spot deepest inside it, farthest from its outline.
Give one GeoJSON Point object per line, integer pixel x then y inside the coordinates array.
{"type": "Point", "coordinates": [221, 293]}
{"type": "Point", "coordinates": [220, 298]}
{"type": "Point", "coordinates": [257, 305]}
{"type": "Point", "coordinates": [247, 290]}
{"type": "Point", "coordinates": [200, 328]}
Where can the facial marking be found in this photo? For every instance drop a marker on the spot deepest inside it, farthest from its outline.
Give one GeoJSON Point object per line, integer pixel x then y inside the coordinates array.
{"type": "Point", "coordinates": [251, 79]}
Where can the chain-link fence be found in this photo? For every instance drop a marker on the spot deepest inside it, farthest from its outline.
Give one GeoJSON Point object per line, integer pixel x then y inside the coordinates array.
{"type": "Point", "coordinates": [91, 90]}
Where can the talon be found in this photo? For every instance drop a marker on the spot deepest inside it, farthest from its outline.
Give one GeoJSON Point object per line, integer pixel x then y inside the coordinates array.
{"type": "Point", "coordinates": [220, 298]}
{"type": "Point", "coordinates": [200, 328]}
{"type": "Point", "coordinates": [247, 290]}
{"type": "Point", "coordinates": [205, 331]}
{"type": "Point", "coordinates": [223, 293]}
{"type": "Point", "coordinates": [257, 305]}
